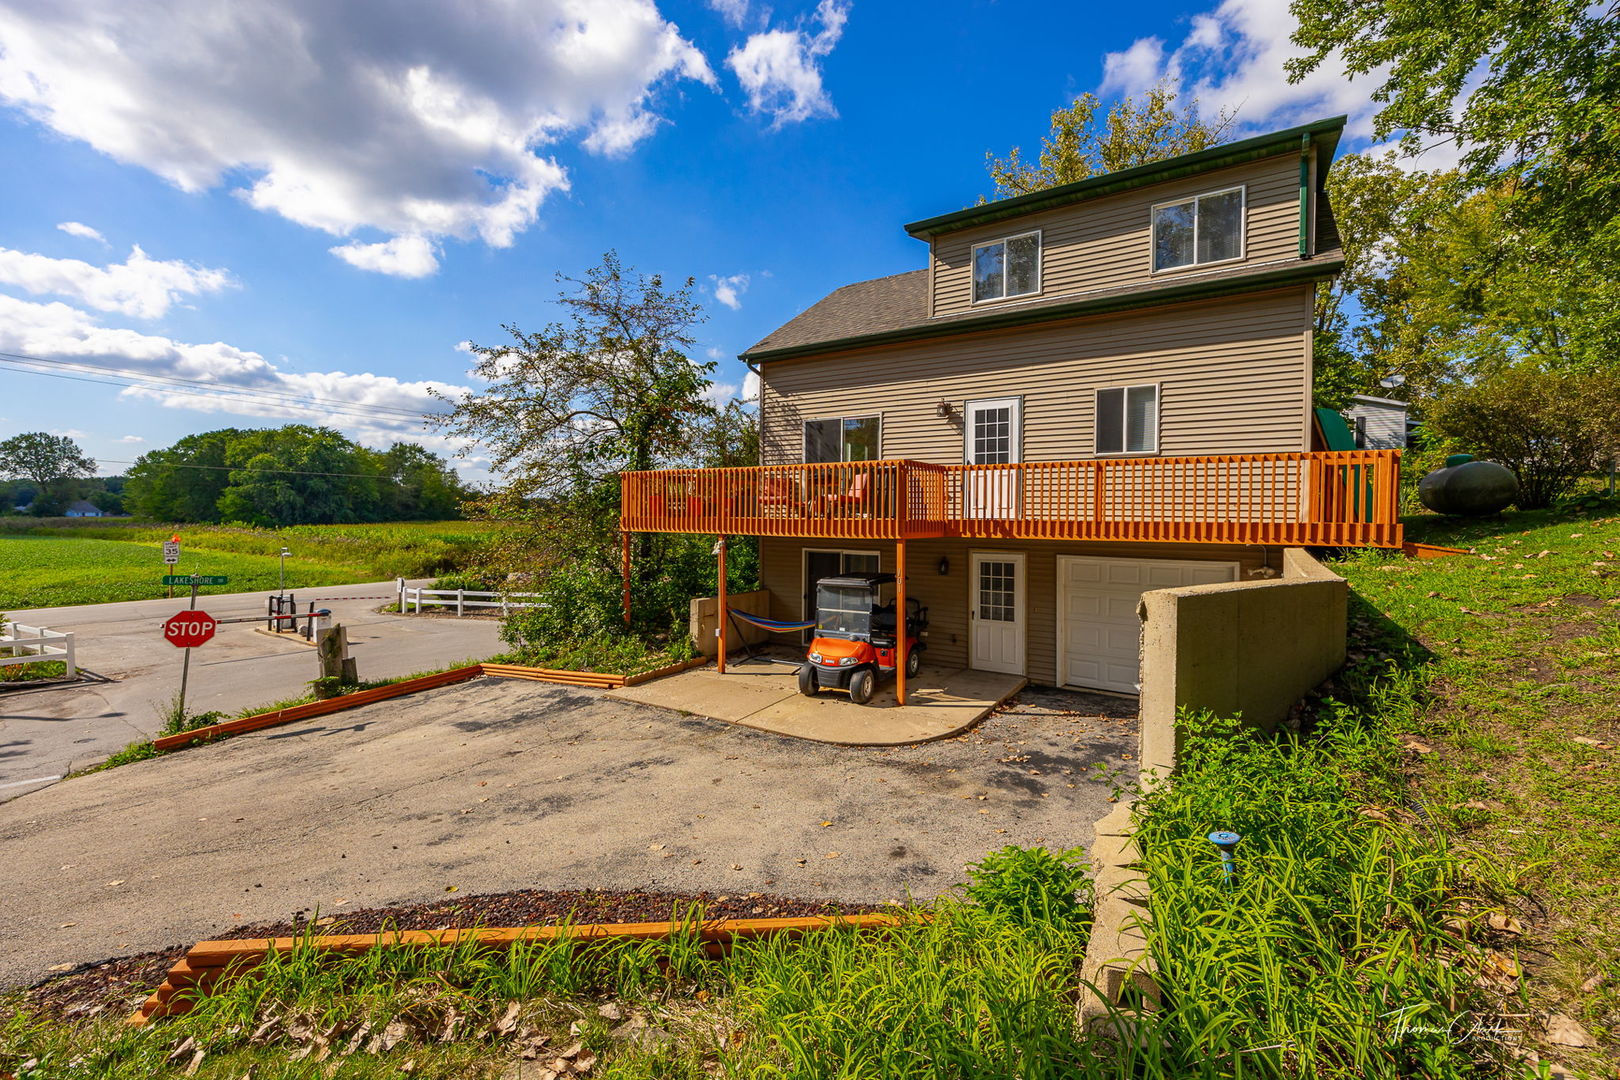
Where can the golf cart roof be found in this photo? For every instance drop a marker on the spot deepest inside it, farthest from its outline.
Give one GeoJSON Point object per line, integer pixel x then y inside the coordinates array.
{"type": "Point", "coordinates": [857, 581]}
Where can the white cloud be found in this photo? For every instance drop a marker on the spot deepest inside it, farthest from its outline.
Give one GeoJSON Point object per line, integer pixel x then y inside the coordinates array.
{"type": "Point", "coordinates": [734, 12]}
{"type": "Point", "coordinates": [58, 331]}
{"type": "Point", "coordinates": [464, 347]}
{"type": "Point", "coordinates": [403, 256]}
{"type": "Point", "coordinates": [81, 230]}
{"type": "Point", "coordinates": [728, 290]}
{"type": "Point", "coordinates": [720, 393]}
{"type": "Point", "coordinates": [780, 70]}
{"type": "Point", "coordinates": [132, 439]}
{"type": "Point", "coordinates": [139, 286]}
{"type": "Point", "coordinates": [423, 122]}
{"type": "Point", "coordinates": [1232, 58]}
{"type": "Point", "coordinates": [714, 352]}
{"type": "Point", "coordinates": [70, 433]}
{"type": "Point", "coordinates": [750, 387]}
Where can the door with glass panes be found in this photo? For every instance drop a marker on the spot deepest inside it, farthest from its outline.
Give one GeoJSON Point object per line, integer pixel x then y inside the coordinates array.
{"type": "Point", "coordinates": [994, 434]}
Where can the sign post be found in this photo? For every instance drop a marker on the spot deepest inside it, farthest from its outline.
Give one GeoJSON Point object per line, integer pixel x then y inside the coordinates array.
{"type": "Point", "coordinates": [171, 556]}
{"type": "Point", "coordinates": [187, 630]}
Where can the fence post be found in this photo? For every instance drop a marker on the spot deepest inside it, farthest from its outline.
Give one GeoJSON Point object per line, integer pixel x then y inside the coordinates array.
{"type": "Point", "coordinates": [72, 669]}
{"type": "Point", "coordinates": [418, 592]}
{"type": "Point", "coordinates": [461, 602]}
{"type": "Point", "coordinates": [399, 585]}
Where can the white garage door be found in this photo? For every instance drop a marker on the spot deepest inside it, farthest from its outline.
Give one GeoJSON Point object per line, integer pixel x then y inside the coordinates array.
{"type": "Point", "coordinates": [1099, 634]}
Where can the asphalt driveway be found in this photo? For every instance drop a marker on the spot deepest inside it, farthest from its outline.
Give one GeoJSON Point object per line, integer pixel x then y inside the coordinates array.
{"type": "Point", "coordinates": [498, 785]}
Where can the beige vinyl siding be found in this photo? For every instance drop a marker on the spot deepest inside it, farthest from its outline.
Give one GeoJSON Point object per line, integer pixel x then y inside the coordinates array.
{"type": "Point", "coordinates": [1229, 373]}
{"type": "Point", "coordinates": [1104, 243]}
{"type": "Point", "coordinates": [946, 597]}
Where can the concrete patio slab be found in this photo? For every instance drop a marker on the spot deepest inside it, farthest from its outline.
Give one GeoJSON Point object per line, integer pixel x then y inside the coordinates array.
{"type": "Point", "coordinates": [941, 702]}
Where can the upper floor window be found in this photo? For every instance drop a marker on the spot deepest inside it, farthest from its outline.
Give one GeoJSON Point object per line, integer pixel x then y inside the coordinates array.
{"type": "Point", "coordinates": [842, 438]}
{"type": "Point", "coordinates": [1128, 420]}
{"type": "Point", "coordinates": [1007, 267]}
{"type": "Point", "coordinates": [1202, 229]}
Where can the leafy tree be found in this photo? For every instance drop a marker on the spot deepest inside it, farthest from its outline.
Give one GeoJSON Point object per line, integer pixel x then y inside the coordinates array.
{"type": "Point", "coordinates": [296, 475]}
{"type": "Point", "coordinates": [1529, 89]}
{"type": "Point", "coordinates": [52, 462]}
{"type": "Point", "coordinates": [611, 387]}
{"type": "Point", "coordinates": [1550, 428]}
{"type": "Point", "coordinates": [1081, 145]}
{"type": "Point", "coordinates": [421, 485]}
{"type": "Point", "coordinates": [182, 482]}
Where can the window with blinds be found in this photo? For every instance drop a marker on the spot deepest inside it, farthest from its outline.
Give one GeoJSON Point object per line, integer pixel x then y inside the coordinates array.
{"type": "Point", "coordinates": [1128, 420]}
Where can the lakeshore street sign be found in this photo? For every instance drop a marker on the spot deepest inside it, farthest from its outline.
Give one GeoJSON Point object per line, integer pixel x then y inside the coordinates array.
{"type": "Point", "coordinates": [189, 629]}
{"type": "Point", "coordinates": [190, 580]}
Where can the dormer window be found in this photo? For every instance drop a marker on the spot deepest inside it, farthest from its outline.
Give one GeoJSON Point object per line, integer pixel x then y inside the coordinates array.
{"type": "Point", "coordinates": [1007, 267]}
{"type": "Point", "coordinates": [1203, 229]}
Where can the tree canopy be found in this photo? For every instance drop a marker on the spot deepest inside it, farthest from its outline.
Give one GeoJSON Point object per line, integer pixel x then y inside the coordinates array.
{"type": "Point", "coordinates": [1081, 144]}
{"type": "Point", "coordinates": [52, 463]}
{"type": "Point", "coordinates": [291, 475]}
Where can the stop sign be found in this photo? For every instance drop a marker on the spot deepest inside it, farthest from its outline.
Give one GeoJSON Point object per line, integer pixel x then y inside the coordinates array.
{"type": "Point", "coordinates": [189, 629]}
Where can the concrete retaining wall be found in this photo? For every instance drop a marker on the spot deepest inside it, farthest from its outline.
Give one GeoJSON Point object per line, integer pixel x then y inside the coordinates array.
{"type": "Point", "coordinates": [1249, 648]}
{"type": "Point", "coordinates": [705, 618]}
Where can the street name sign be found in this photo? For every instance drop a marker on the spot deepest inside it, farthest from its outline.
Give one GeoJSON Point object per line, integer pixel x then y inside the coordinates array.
{"type": "Point", "coordinates": [189, 629]}
{"type": "Point", "coordinates": [189, 580]}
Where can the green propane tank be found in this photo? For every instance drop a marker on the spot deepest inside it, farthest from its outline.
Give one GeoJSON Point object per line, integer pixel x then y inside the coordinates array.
{"type": "Point", "coordinates": [1468, 488]}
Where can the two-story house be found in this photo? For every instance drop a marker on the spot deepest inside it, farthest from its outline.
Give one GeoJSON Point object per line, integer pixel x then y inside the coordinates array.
{"type": "Point", "coordinates": [1087, 392]}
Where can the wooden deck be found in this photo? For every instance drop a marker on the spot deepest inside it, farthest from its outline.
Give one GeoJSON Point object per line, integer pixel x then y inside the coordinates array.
{"type": "Point", "coordinates": [1315, 499]}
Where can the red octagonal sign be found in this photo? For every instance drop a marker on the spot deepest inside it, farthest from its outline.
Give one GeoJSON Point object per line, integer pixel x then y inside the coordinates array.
{"type": "Point", "coordinates": [189, 629]}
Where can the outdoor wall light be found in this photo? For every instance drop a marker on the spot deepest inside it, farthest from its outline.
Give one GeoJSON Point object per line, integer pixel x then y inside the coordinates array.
{"type": "Point", "coordinates": [944, 565]}
{"type": "Point", "coordinates": [945, 410]}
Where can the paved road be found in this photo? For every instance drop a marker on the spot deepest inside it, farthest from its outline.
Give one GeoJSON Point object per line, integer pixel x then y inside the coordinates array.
{"type": "Point", "coordinates": [498, 785]}
{"type": "Point", "coordinates": [47, 733]}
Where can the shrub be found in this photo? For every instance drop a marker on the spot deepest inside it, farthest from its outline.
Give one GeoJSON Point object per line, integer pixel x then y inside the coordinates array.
{"type": "Point", "coordinates": [1032, 886]}
{"type": "Point", "coordinates": [1550, 428]}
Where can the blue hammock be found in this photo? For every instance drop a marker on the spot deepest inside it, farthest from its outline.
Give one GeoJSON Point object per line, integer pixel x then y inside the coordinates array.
{"type": "Point", "coordinates": [775, 626]}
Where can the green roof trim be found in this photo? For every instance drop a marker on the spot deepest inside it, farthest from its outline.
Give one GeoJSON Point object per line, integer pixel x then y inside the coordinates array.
{"type": "Point", "coordinates": [1293, 274]}
{"type": "Point", "coordinates": [1215, 157]}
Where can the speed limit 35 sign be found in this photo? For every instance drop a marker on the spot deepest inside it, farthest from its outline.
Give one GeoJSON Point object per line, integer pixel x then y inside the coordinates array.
{"type": "Point", "coordinates": [189, 629]}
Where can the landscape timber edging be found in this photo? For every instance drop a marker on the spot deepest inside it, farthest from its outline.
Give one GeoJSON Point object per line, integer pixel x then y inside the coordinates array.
{"type": "Point", "coordinates": [1118, 964]}
{"type": "Point", "coordinates": [258, 721]}
{"type": "Point", "coordinates": [208, 962]}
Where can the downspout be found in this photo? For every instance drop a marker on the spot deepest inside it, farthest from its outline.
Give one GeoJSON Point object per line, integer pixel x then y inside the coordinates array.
{"type": "Point", "coordinates": [1305, 196]}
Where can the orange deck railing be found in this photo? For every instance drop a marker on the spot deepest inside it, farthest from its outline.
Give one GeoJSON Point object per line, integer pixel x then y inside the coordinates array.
{"type": "Point", "coordinates": [1327, 499]}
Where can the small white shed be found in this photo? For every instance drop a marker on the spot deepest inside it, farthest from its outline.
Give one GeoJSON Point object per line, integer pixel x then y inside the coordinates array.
{"type": "Point", "coordinates": [83, 508]}
{"type": "Point", "coordinates": [1377, 423]}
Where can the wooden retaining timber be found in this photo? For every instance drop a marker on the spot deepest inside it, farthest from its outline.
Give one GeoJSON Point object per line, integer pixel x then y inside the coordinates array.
{"type": "Point", "coordinates": [593, 679]}
{"type": "Point", "coordinates": [208, 962]}
{"type": "Point", "coordinates": [1430, 551]}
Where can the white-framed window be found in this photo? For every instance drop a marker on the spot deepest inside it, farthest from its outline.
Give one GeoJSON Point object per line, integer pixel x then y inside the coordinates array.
{"type": "Point", "coordinates": [1007, 267]}
{"type": "Point", "coordinates": [843, 438]}
{"type": "Point", "coordinates": [1128, 420]}
{"type": "Point", "coordinates": [1205, 228]}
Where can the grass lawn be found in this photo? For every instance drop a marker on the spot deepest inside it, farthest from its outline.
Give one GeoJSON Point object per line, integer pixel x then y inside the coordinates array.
{"type": "Point", "coordinates": [1515, 755]}
{"type": "Point", "coordinates": [56, 562]}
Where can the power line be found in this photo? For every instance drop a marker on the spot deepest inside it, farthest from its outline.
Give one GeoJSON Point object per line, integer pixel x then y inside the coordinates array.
{"type": "Point", "coordinates": [106, 376]}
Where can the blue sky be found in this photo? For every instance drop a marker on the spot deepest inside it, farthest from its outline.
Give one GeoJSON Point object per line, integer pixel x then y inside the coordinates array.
{"type": "Point", "coordinates": [327, 198]}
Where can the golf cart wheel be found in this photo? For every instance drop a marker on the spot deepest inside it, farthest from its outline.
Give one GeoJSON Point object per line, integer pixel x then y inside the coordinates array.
{"type": "Point", "coordinates": [861, 685]}
{"type": "Point", "coordinates": [807, 680]}
{"type": "Point", "coordinates": [913, 663]}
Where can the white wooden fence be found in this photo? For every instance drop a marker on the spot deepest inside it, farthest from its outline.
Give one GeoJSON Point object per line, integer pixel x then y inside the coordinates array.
{"type": "Point", "coordinates": [413, 599]}
{"type": "Point", "coordinates": [23, 644]}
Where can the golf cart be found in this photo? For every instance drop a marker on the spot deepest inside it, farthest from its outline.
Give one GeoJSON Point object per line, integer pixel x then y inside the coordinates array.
{"type": "Point", "coordinates": [855, 641]}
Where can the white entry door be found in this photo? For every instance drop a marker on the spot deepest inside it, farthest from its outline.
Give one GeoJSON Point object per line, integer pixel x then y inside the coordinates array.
{"type": "Point", "coordinates": [996, 612]}
{"type": "Point", "coordinates": [1099, 632]}
{"type": "Point", "coordinates": [994, 431]}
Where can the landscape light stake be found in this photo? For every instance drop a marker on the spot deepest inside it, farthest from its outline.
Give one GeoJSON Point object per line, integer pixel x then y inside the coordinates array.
{"type": "Point", "coordinates": [1225, 843]}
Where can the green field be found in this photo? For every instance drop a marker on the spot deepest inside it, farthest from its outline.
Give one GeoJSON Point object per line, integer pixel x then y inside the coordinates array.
{"type": "Point", "coordinates": [51, 562]}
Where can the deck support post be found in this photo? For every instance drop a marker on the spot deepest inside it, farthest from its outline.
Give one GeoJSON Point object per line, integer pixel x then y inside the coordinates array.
{"type": "Point", "coordinates": [901, 639]}
{"type": "Point", "coordinates": [723, 615]}
{"type": "Point", "coordinates": [624, 566]}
